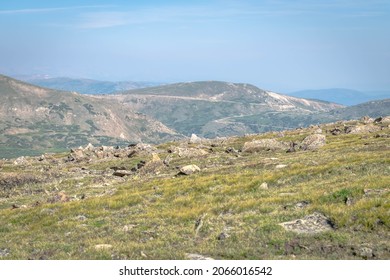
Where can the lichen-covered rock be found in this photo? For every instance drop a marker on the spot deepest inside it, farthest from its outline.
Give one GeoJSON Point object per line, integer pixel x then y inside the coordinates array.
{"type": "Point", "coordinates": [314, 223]}
{"type": "Point", "coordinates": [357, 129]}
{"type": "Point", "coordinates": [313, 142]}
{"type": "Point", "coordinates": [264, 145]}
{"type": "Point", "coordinates": [189, 169]}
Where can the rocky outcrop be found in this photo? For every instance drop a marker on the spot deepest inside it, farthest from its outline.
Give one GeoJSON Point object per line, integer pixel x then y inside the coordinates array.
{"type": "Point", "coordinates": [313, 142]}
{"type": "Point", "coordinates": [314, 223]}
{"type": "Point", "coordinates": [357, 129]}
{"type": "Point", "coordinates": [195, 139]}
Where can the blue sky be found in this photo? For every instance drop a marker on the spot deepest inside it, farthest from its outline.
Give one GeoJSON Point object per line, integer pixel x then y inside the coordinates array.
{"type": "Point", "coordinates": [281, 45]}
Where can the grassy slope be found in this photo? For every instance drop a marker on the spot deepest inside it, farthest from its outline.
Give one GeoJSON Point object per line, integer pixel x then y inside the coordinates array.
{"type": "Point", "coordinates": [160, 210]}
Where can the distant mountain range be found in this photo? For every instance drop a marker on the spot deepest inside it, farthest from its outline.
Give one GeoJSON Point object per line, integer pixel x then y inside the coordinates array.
{"type": "Point", "coordinates": [34, 119]}
{"type": "Point", "coordinates": [86, 86]}
{"type": "Point", "coordinates": [342, 96]}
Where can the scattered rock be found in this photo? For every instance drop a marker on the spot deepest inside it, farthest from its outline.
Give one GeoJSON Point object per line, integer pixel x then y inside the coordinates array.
{"type": "Point", "coordinates": [366, 120]}
{"type": "Point", "coordinates": [373, 192]}
{"type": "Point", "coordinates": [189, 152]}
{"type": "Point", "coordinates": [365, 252]}
{"type": "Point", "coordinates": [89, 147]}
{"type": "Point", "coordinates": [20, 161]}
{"type": "Point", "coordinates": [264, 145]}
{"type": "Point", "coordinates": [231, 150]}
{"type": "Point", "coordinates": [357, 129]}
{"type": "Point", "coordinates": [336, 131]}
{"type": "Point", "coordinates": [127, 228]}
{"type": "Point", "coordinates": [81, 218]}
{"type": "Point", "coordinates": [197, 257]}
{"type": "Point", "coordinates": [59, 197]}
{"type": "Point", "coordinates": [145, 147]}
{"type": "Point", "coordinates": [280, 166]}
{"type": "Point", "coordinates": [293, 147]}
{"type": "Point", "coordinates": [4, 252]}
{"type": "Point", "coordinates": [318, 131]}
{"type": "Point", "coordinates": [222, 236]}
{"type": "Point", "coordinates": [313, 223]}
{"type": "Point", "coordinates": [155, 158]}
{"type": "Point", "coordinates": [189, 169]}
{"type": "Point", "coordinates": [263, 186]}
{"type": "Point", "coordinates": [76, 155]}
{"type": "Point", "coordinates": [122, 173]}
{"type": "Point", "coordinates": [103, 246]}
{"type": "Point", "coordinates": [195, 139]}
{"type": "Point", "coordinates": [313, 142]}
{"type": "Point", "coordinates": [382, 120]}
{"type": "Point", "coordinates": [382, 136]}
{"type": "Point", "coordinates": [348, 201]}
{"type": "Point", "coordinates": [302, 204]}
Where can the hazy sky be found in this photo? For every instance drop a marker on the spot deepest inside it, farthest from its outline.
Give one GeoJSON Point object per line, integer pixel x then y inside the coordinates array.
{"type": "Point", "coordinates": [281, 45]}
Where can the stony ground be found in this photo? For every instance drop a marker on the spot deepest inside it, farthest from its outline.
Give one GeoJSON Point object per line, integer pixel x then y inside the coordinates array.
{"type": "Point", "coordinates": [310, 193]}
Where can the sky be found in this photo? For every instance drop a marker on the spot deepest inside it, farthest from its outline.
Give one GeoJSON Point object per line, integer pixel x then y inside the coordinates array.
{"type": "Point", "coordinates": [279, 45]}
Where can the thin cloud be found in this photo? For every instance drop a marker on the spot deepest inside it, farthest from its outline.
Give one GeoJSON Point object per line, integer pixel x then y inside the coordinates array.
{"type": "Point", "coordinates": [47, 10]}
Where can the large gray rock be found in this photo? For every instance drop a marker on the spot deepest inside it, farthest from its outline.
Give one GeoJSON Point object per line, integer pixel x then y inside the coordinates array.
{"type": "Point", "coordinates": [189, 169]}
{"type": "Point", "coordinates": [264, 145]}
{"type": "Point", "coordinates": [313, 142]}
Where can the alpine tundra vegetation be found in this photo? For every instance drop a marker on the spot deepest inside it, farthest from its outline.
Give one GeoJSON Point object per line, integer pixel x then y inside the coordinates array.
{"type": "Point", "coordinates": [320, 192]}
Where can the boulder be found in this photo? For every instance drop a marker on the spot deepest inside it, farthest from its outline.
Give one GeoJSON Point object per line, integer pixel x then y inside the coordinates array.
{"type": "Point", "coordinates": [358, 129]}
{"type": "Point", "coordinates": [194, 139]}
{"type": "Point", "coordinates": [263, 186]}
{"type": "Point", "coordinates": [264, 145]}
{"type": "Point", "coordinates": [189, 169]}
{"type": "Point", "coordinates": [89, 147]}
{"type": "Point", "coordinates": [366, 120]}
{"type": "Point", "coordinates": [313, 142]}
{"type": "Point", "coordinates": [382, 120]}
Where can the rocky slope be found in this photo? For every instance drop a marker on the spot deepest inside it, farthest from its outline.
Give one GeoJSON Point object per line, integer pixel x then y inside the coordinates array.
{"type": "Point", "coordinates": [34, 119]}
{"type": "Point", "coordinates": [320, 192]}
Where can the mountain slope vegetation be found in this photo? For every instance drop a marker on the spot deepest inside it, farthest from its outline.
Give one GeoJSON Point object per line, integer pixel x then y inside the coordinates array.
{"type": "Point", "coordinates": [35, 119]}
{"type": "Point", "coordinates": [315, 193]}
{"type": "Point", "coordinates": [213, 108]}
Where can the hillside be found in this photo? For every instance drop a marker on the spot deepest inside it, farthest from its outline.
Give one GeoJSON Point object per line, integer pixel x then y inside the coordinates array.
{"type": "Point", "coordinates": [34, 120]}
{"type": "Point", "coordinates": [87, 86]}
{"type": "Point", "coordinates": [346, 97]}
{"type": "Point", "coordinates": [374, 109]}
{"type": "Point", "coordinates": [315, 193]}
{"type": "Point", "coordinates": [212, 108]}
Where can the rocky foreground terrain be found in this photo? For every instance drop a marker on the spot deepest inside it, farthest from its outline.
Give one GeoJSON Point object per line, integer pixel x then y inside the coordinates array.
{"type": "Point", "coordinates": [311, 193]}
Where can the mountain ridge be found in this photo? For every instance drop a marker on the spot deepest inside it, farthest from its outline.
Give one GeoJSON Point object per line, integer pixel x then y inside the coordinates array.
{"type": "Point", "coordinates": [35, 118]}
